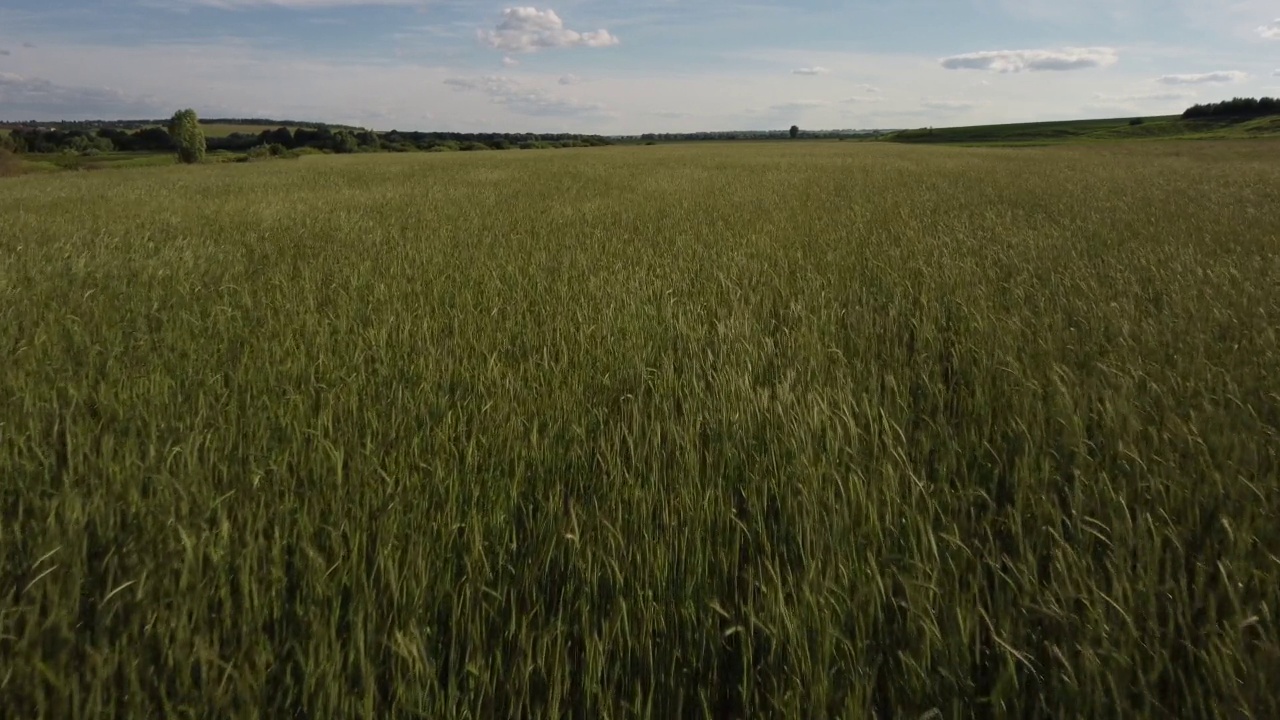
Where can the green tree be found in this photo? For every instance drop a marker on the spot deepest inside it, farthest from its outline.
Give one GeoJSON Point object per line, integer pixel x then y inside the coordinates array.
{"type": "Point", "coordinates": [795, 131]}
{"type": "Point", "coordinates": [344, 142]}
{"type": "Point", "coordinates": [279, 136]}
{"type": "Point", "coordinates": [187, 136]}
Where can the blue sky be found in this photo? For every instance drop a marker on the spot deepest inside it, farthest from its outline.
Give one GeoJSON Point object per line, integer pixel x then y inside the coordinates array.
{"type": "Point", "coordinates": [616, 66]}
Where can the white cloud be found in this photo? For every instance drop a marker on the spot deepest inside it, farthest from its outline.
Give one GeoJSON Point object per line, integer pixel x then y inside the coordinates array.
{"type": "Point", "coordinates": [525, 100]}
{"type": "Point", "coordinates": [508, 61]}
{"type": "Point", "coordinates": [1222, 76]}
{"type": "Point", "coordinates": [244, 78]}
{"type": "Point", "coordinates": [815, 70]}
{"type": "Point", "coordinates": [527, 29]}
{"type": "Point", "coordinates": [1276, 72]}
{"type": "Point", "coordinates": [869, 89]}
{"type": "Point", "coordinates": [1271, 30]}
{"type": "Point", "coordinates": [570, 79]}
{"type": "Point", "coordinates": [1014, 61]}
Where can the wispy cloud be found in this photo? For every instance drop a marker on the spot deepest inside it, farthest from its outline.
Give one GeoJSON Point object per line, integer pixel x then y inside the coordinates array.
{"type": "Point", "coordinates": [527, 29]}
{"type": "Point", "coordinates": [1222, 76]}
{"type": "Point", "coordinates": [4, 52]}
{"type": "Point", "coordinates": [1170, 96]}
{"type": "Point", "coordinates": [799, 105]}
{"type": "Point", "coordinates": [525, 100]}
{"type": "Point", "coordinates": [1014, 61]}
{"type": "Point", "coordinates": [490, 84]}
{"type": "Point", "coordinates": [1271, 30]}
{"type": "Point", "coordinates": [944, 104]}
{"type": "Point", "coordinates": [297, 4]}
{"type": "Point", "coordinates": [712, 65]}
{"type": "Point", "coordinates": [32, 97]}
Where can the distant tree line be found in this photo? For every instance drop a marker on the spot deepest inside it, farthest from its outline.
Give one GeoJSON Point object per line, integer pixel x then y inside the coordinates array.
{"type": "Point", "coordinates": [402, 141]}
{"type": "Point", "coordinates": [260, 122]}
{"type": "Point", "coordinates": [90, 140]}
{"type": "Point", "coordinates": [141, 124]}
{"type": "Point", "coordinates": [754, 135]}
{"type": "Point", "coordinates": [91, 137]}
{"type": "Point", "coordinates": [1234, 108]}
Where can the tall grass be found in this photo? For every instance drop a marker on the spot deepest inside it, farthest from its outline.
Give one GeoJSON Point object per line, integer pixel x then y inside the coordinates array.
{"type": "Point", "coordinates": [776, 430]}
{"type": "Point", "coordinates": [10, 165]}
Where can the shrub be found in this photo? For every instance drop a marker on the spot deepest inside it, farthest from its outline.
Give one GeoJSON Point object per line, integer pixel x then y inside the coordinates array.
{"type": "Point", "coordinates": [276, 150]}
{"type": "Point", "coordinates": [344, 142]}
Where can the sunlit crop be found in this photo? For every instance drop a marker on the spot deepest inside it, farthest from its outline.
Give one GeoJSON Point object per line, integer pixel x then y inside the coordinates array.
{"type": "Point", "coordinates": [797, 430]}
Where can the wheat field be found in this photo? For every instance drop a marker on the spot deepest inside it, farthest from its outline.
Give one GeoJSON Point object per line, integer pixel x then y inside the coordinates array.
{"type": "Point", "coordinates": [801, 430]}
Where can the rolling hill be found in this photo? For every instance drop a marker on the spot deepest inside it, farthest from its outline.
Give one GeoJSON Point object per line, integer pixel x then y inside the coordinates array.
{"type": "Point", "coordinates": [1041, 133]}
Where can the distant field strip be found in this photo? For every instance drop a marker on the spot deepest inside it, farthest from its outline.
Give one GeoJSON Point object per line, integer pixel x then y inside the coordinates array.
{"type": "Point", "coordinates": [1152, 128]}
{"type": "Point", "coordinates": [793, 430]}
{"type": "Point", "coordinates": [223, 130]}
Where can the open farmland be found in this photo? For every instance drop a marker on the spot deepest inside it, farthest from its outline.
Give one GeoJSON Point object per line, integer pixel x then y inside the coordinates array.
{"type": "Point", "coordinates": [1046, 133]}
{"type": "Point", "coordinates": [757, 430]}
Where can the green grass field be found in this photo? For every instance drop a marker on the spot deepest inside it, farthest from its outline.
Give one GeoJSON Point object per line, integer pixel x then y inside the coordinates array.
{"type": "Point", "coordinates": [223, 130]}
{"type": "Point", "coordinates": [1171, 127]}
{"type": "Point", "coordinates": [797, 430]}
{"type": "Point", "coordinates": [47, 162]}
{"type": "Point", "coordinates": [30, 163]}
